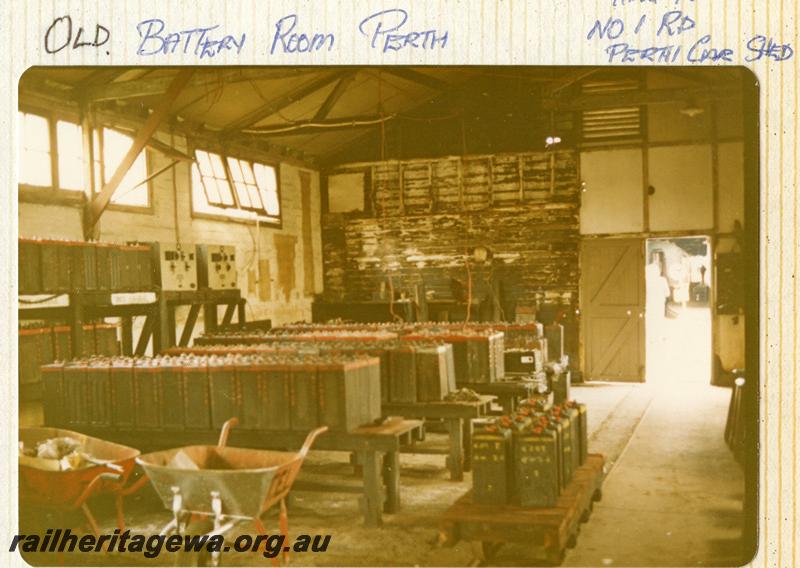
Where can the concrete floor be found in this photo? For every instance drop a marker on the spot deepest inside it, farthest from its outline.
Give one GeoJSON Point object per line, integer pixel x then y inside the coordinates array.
{"type": "Point", "coordinates": [672, 497]}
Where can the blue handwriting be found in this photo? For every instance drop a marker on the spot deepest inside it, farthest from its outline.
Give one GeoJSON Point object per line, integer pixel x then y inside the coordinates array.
{"type": "Point", "coordinates": [674, 23]}
{"type": "Point", "coordinates": [761, 46]}
{"type": "Point", "coordinates": [383, 30]}
{"type": "Point", "coordinates": [289, 42]}
{"type": "Point", "coordinates": [196, 40]}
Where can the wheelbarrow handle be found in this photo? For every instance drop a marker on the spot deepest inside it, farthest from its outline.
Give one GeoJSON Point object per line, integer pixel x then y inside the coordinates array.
{"type": "Point", "coordinates": [93, 485]}
{"type": "Point", "coordinates": [310, 440]}
{"type": "Point", "coordinates": [226, 429]}
{"type": "Point", "coordinates": [135, 486]}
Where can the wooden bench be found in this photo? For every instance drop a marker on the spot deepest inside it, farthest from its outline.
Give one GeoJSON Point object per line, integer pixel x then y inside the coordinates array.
{"type": "Point", "coordinates": [509, 392]}
{"type": "Point", "coordinates": [378, 448]}
{"type": "Point", "coordinates": [555, 529]}
{"type": "Point", "coordinates": [457, 416]}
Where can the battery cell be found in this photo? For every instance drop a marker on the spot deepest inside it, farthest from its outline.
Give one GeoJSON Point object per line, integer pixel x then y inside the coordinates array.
{"type": "Point", "coordinates": [123, 398]}
{"type": "Point", "coordinates": [536, 472]}
{"type": "Point", "coordinates": [55, 409]}
{"type": "Point", "coordinates": [146, 376]}
{"type": "Point", "coordinates": [402, 374]}
{"type": "Point", "coordinates": [224, 390]}
{"type": "Point", "coordinates": [55, 267]}
{"type": "Point", "coordinates": [491, 471]}
{"type": "Point", "coordinates": [76, 393]}
{"type": "Point", "coordinates": [171, 394]}
{"type": "Point", "coordinates": [82, 268]}
{"type": "Point", "coordinates": [304, 413]}
{"type": "Point", "coordinates": [276, 382]}
{"type": "Point", "coordinates": [196, 401]}
{"type": "Point", "coordinates": [30, 266]}
{"type": "Point", "coordinates": [433, 382]}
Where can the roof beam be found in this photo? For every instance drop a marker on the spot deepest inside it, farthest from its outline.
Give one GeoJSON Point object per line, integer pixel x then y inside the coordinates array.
{"type": "Point", "coordinates": [644, 97]}
{"type": "Point", "coordinates": [141, 139]}
{"type": "Point", "coordinates": [573, 76]}
{"type": "Point", "coordinates": [168, 150]}
{"type": "Point", "coordinates": [334, 96]}
{"type": "Point", "coordinates": [146, 87]}
{"type": "Point", "coordinates": [102, 87]}
{"type": "Point", "coordinates": [282, 102]}
{"type": "Point", "coordinates": [416, 77]}
{"type": "Point", "coordinates": [128, 89]}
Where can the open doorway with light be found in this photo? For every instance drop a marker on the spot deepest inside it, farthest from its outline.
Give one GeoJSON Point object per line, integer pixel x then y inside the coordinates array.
{"type": "Point", "coordinates": [678, 309]}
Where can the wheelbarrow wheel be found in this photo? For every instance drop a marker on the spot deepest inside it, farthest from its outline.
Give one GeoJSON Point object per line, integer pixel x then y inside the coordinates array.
{"type": "Point", "coordinates": [196, 526]}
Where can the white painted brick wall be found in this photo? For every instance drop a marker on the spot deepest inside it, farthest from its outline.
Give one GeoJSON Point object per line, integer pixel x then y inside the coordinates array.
{"type": "Point", "coordinates": [159, 225]}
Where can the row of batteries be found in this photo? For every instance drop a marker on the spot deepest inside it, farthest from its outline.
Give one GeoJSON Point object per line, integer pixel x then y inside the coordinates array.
{"type": "Point", "coordinates": [287, 386]}
{"type": "Point", "coordinates": [49, 266]}
{"type": "Point", "coordinates": [529, 458]}
{"type": "Point", "coordinates": [471, 357]}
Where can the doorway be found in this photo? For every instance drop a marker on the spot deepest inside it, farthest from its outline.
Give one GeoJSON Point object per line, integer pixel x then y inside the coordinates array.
{"type": "Point", "coordinates": [678, 336]}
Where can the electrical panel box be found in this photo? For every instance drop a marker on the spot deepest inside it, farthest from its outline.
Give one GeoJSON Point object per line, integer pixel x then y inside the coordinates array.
{"type": "Point", "coordinates": [177, 267]}
{"type": "Point", "coordinates": [217, 267]}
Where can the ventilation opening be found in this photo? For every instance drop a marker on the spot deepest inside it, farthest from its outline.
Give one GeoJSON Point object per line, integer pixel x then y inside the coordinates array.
{"type": "Point", "coordinates": [611, 125]}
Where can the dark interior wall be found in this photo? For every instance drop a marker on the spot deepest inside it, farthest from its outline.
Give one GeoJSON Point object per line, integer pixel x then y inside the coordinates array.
{"type": "Point", "coordinates": [422, 217]}
{"type": "Point", "coordinates": [494, 111]}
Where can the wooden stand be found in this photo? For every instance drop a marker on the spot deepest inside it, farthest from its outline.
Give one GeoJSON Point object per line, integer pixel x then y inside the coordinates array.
{"type": "Point", "coordinates": [380, 491]}
{"type": "Point", "coordinates": [457, 416]}
{"type": "Point", "coordinates": [509, 392]}
{"type": "Point", "coordinates": [553, 528]}
{"type": "Point", "coordinates": [159, 324]}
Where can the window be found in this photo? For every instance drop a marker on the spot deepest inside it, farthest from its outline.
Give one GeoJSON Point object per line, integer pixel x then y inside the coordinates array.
{"type": "Point", "coordinates": [214, 179]}
{"type": "Point", "coordinates": [267, 179]}
{"type": "Point", "coordinates": [37, 147]}
{"type": "Point", "coordinates": [35, 167]}
{"type": "Point", "coordinates": [70, 155]}
{"type": "Point", "coordinates": [133, 189]}
{"type": "Point", "coordinates": [235, 187]}
{"type": "Point", "coordinates": [245, 183]}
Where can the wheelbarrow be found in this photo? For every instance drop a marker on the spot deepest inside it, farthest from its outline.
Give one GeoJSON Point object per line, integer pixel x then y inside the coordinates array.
{"type": "Point", "coordinates": [70, 490]}
{"type": "Point", "coordinates": [223, 484]}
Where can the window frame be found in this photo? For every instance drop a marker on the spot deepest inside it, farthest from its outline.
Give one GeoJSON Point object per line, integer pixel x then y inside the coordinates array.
{"type": "Point", "coordinates": [54, 186]}
{"type": "Point", "coordinates": [99, 156]}
{"type": "Point", "coordinates": [260, 216]}
{"type": "Point", "coordinates": [55, 194]}
{"type": "Point", "coordinates": [228, 180]}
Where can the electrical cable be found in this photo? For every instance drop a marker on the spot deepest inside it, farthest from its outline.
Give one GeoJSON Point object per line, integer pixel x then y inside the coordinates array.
{"type": "Point", "coordinates": [395, 317]}
{"type": "Point", "coordinates": [292, 127]}
{"type": "Point", "coordinates": [298, 125]}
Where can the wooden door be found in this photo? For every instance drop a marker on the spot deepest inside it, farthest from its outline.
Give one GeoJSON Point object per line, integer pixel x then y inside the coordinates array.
{"type": "Point", "coordinates": [612, 304]}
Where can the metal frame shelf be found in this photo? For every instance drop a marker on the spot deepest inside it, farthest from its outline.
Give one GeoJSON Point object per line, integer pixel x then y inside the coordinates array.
{"type": "Point", "coordinates": [160, 322]}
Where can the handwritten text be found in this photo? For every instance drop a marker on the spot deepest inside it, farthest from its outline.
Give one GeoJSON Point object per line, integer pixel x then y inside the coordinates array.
{"type": "Point", "coordinates": [289, 42]}
{"type": "Point", "coordinates": [59, 36]}
{"type": "Point", "coordinates": [153, 41]}
{"type": "Point", "coordinates": [384, 31]}
{"type": "Point", "coordinates": [673, 24]}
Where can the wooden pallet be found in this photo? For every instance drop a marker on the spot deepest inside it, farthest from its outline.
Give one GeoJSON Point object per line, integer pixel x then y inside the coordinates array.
{"type": "Point", "coordinates": [553, 528]}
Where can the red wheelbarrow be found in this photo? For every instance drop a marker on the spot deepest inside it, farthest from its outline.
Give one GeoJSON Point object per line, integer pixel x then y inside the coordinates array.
{"type": "Point", "coordinates": [66, 491]}
{"type": "Point", "coordinates": [223, 484]}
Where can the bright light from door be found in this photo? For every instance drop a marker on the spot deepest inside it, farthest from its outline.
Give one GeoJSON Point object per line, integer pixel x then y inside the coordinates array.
{"type": "Point", "coordinates": [678, 310]}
